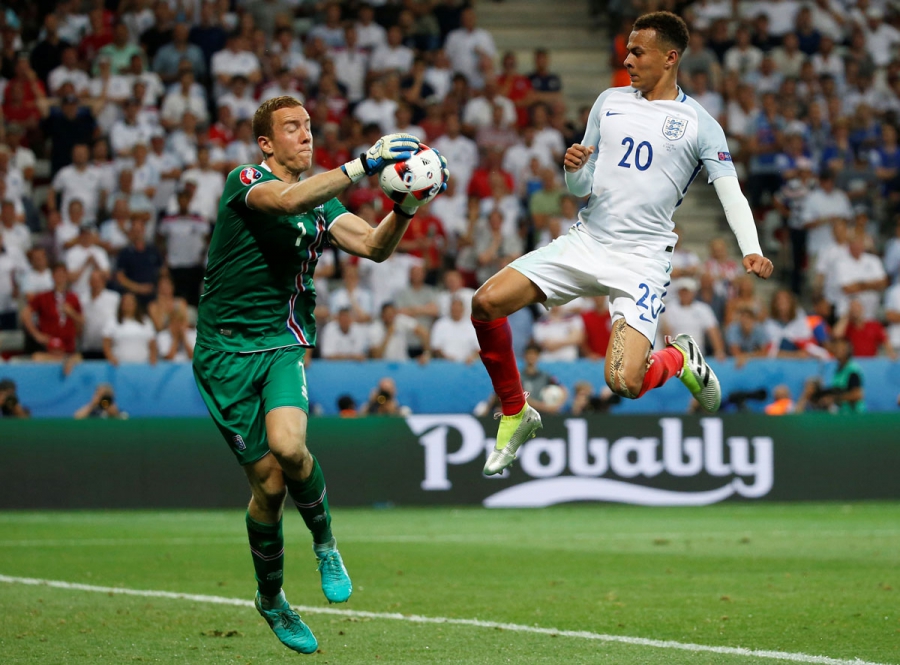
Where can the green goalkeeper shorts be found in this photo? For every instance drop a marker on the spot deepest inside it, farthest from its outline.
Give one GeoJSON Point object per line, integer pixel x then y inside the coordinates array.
{"type": "Point", "coordinates": [239, 389]}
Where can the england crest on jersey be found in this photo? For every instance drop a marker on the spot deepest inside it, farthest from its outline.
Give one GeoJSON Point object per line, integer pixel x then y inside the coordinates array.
{"type": "Point", "coordinates": [674, 128]}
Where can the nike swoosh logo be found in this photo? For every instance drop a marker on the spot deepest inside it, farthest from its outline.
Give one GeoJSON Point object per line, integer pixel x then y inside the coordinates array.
{"type": "Point", "coordinates": [611, 113]}
{"type": "Point", "coordinates": [642, 317]}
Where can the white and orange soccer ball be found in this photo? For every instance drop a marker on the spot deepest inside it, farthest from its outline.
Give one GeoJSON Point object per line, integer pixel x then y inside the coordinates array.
{"type": "Point", "coordinates": [414, 182]}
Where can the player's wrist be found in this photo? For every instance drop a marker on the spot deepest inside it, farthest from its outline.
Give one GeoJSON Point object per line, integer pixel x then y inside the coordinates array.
{"type": "Point", "coordinates": [404, 212]}
{"type": "Point", "coordinates": [355, 169]}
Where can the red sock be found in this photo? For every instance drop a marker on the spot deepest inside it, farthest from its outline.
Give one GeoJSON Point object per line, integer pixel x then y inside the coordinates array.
{"type": "Point", "coordinates": [495, 340]}
{"type": "Point", "coordinates": [666, 364]}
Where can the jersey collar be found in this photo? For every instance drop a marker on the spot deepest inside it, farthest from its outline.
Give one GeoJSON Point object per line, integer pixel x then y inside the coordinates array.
{"type": "Point", "coordinates": [681, 97]}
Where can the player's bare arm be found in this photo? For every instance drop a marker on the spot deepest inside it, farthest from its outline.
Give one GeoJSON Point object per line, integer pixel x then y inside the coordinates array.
{"type": "Point", "coordinates": [275, 197]}
{"type": "Point", "coordinates": [353, 235]}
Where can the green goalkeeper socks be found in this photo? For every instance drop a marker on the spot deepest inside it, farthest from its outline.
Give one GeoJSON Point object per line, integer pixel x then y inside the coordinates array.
{"type": "Point", "coordinates": [311, 500]}
{"type": "Point", "coordinates": [267, 549]}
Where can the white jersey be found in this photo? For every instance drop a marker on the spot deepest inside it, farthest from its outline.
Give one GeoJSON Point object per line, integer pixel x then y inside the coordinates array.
{"type": "Point", "coordinates": [645, 156]}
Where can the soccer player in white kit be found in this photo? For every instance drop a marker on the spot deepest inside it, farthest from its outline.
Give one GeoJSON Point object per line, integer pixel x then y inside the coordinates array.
{"type": "Point", "coordinates": [643, 146]}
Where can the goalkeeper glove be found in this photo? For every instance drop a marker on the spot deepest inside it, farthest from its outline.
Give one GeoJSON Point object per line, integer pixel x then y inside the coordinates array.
{"type": "Point", "coordinates": [444, 170]}
{"type": "Point", "coordinates": [389, 148]}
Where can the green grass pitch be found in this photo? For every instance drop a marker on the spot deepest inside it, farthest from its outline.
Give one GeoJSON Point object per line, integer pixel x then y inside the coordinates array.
{"type": "Point", "coordinates": [817, 580]}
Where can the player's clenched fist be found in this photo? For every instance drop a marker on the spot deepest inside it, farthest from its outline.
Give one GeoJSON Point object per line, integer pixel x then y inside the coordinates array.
{"type": "Point", "coordinates": [577, 156]}
{"type": "Point", "coordinates": [758, 265]}
{"type": "Point", "coordinates": [387, 149]}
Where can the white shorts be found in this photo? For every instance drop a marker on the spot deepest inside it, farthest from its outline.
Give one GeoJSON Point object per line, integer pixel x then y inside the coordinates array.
{"type": "Point", "coordinates": [577, 265]}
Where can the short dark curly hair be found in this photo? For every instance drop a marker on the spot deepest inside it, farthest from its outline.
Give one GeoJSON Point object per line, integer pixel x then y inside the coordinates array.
{"type": "Point", "coordinates": [671, 30]}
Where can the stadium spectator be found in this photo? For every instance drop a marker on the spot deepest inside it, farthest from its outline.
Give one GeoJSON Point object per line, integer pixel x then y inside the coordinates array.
{"type": "Point", "coordinates": [342, 338]}
{"type": "Point", "coordinates": [47, 53]}
{"type": "Point", "coordinates": [781, 404]}
{"type": "Point", "coordinates": [468, 46]}
{"type": "Point", "coordinates": [823, 206]}
{"type": "Point", "coordinates": [138, 265]}
{"type": "Point", "coordinates": [347, 407]}
{"type": "Point", "coordinates": [746, 337]}
{"type": "Point", "coordinates": [743, 57]}
{"type": "Point", "coordinates": [419, 300]}
{"type": "Point", "coordinates": [383, 400]}
{"type": "Point", "coordinates": [77, 181]}
{"type": "Point", "coordinates": [708, 293]}
{"type": "Point", "coordinates": [120, 49]}
{"type": "Point", "coordinates": [861, 277]}
{"type": "Point", "coordinates": [866, 336]}
{"type": "Point", "coordinates": [68, 71]}
{"type": "Point", "coordinates": [597, 328]}
{"type": "Point", "coordinates": [185, 237]}
{"type": "Point", "coordinates": [453, 336]}
{"type": "Point", "coordinates": [391, 336]}
{"type": "Point", "coordinates": [685, 314]}
{"type": "Point", "coordinates": [99, 308]}
{"type": "Point", "coordinates": [545, 85]}
{"type": "Point", "coordinates": [744, 297]}
{"type": "Point", "coordinates": [788, 331]}
{"type": "Point", "coordinates": [176, 342]}
{"type": "Point", "coordinates": [534, 380]}
{"type": "Point", "coordinates": [892, 315]}
{"type": "Point", "coordinates": [130, 337]}
{"type": "Point", "coordinates": [493, 248]}
{"type": "Point", "coordinates": [162, 308]}
{"type": "Point", "coordinates": [353, 296]}
{"type": "Point", "coordinates": [584, 400]}
{"type": "Point", "coordinates": [15, 233]}
{"type": "Point", "coordinates": [559, 334]}
{"type": "Point", "coordinates": [102, 404]}
{"type": "Point", "coordinates": [12, 262]}
{"type": "Point", "coordinates": [458, 150]}
{"type": "Point", "coordinates": [371, 34]}
{"type": "Point", "coordinates": [37, 277]}
{"type": "Point", "coordinates": [53, 320]}
{"type": "Point", "coordinates": [85, 257]}
{"type": "Point", "coordinates": [10, 406]}
{"type": "Point", "coordinates": [170, 59]}
{"type": "Point", "coordinates": [392, 55]}
{"type": "Point", "coordinates": [114, 232]}
{"type": "Point", "coordinates": [455, 289]}
{"type": "Point", "coordinates": [846, 392]}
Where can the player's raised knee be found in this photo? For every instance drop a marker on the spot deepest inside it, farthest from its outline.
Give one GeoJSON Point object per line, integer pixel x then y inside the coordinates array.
{"type": "Point", "coordinates": [484, 307]}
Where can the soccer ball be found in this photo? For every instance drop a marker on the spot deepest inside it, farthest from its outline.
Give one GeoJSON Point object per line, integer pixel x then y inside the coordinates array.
{"type": "Point", "coordinates": [553, 395]}
{"type": "Point", "coordinates": [414, 182]}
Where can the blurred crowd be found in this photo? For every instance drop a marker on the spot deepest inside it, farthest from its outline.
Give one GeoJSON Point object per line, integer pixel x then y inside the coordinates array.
{"type": "Point", "coordinates": [121, 120]}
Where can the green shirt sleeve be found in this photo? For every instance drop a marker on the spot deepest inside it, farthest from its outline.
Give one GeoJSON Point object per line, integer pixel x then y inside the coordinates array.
{"type": "Point", "coordinates": [333, 209]}
{"type": "Point", "coordinates": [239, 182]}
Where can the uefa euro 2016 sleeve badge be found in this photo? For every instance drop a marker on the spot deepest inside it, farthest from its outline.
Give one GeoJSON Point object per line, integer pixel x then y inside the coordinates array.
{"type": "Point", "coordinates": [674, 128]}
{"type": "Point", "coordinates": [250, 175]}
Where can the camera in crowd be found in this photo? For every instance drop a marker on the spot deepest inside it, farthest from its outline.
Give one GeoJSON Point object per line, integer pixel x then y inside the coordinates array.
{"type": "Point", "coordinates": [10, 406]}
{"type": "Point", "coordinates": [737, 400]}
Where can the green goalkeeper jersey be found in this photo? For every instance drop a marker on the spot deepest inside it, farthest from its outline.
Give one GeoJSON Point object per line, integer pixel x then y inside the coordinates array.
{"type": "Point", "coordinates": [258, 290]}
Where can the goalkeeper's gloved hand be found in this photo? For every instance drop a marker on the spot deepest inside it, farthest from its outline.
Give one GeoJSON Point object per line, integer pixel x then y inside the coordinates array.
{"type": "Point", "coordinates": [444, 170]}
{"type": "Point", "coordinates": [389, 148]}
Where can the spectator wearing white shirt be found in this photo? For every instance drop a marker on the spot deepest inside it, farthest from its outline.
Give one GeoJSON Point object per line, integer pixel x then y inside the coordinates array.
{"type": "Point", "coordinates": [559, 334]}
{"type": "Point", "coordinates": [547, 137]}
{"type": "Point", "coordinates": [22, 158]}
{"type": "Point", "coordinates": [518, 157]}
{"type": "Point", "coordinates": [710, 100]}
{"type": "Point", "coordinates": [684, 314]}
{"type": "Point", "coordinates": [330, 30]}
{"type": "Point", "coordinates": [343, 338]}
{"type": "Point", "coordinates": [145, 177]}
{"type": "Point", "coordinates": [182, 143]}
{"type": "Point", "coordinates": [892, 254]}
{"type": "Point", "coordinates": [455, 289]}
{"type": "Point", "coordinates": [861, 277]}
{"type": "Point", "coordinates": [209, 186]}
{"type": "Point", "coordinates": [821, 208]}
{"type": "Point", "coordinates": [99, 308]}
{"type": "Point", "coordinates": [68, 72]}
{"type": "Point", "coordinates": [453, 336]}
{"type": "Point", "coordinates": [242, 106]}
{"type": "Point", "coordinates": [85, 257]}
{"type": "Point", "coordinates": [479, 111]}
{"type": "Point", "coordinates": [12, 263]}
{"type": "Point", "coordinates": [176, 342]}
{"type": "Point", "coordinates": [114, 231]}
{"type": "Point", "coordinates": [782, 15]}
{"type": "Point", "coordinates": [130, 337]}
{"type": "Point", "coordinates": [788, 57]}
{"type": "Point", "coordinates": [186, 236]}
{"type": "Point", "coordinates": [352, 296]}
{"type": "Point", "coordinates": [14, 232]}
{"type": "Point", "coordinates": [181, 99]}
{"type": "Point", "coordinates": [459, 150]}
{"type": "Point", "coordinates": [827, 60]}
{"type": "Point", "coordinates": [827, 279]}
{"type": "Point", "coordinates": [110, 88]}
{"type": "Point", "coordinates": [743, 57]}
{"type": "Point", "coordinates": [63, 229]}
{"type": "Point", "coordinates": [439, 75]}
{"type": "Point", "coordinates": [243, 149]}
{"type": "Point", "coordinates": [125, 133]}
{"type": "Point", "coordinates": [37, 277]}
{"type": "Point", "coordinates": [377, 109]}
{"type": "Point", "coordinates": [391, 336]}
{"type": "Point", "coordinates": [467, 46]}
{"type": "Point", "coordinates": [284, 85]}
{"type": "Point", "coordinates": [153, 85]}
{"type": "Point", "coordinates": [892, 315]}
{"type": "Point", "coordinates": [371, 34]}
{"type": "Point", "coordinates": [392, 56]}
{"type": "Point", "coordinates": [351, 63]}
{"type": "Point", "coordinates": [234, 59]}
{"type": "Point", "coordinates": [77, 181]}
{"type": "Point", "coordinates": [882, 39]}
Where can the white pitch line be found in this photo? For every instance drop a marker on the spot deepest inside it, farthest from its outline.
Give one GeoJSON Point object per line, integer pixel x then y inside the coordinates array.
{"type": "Point", "coordinates": [476, 623]}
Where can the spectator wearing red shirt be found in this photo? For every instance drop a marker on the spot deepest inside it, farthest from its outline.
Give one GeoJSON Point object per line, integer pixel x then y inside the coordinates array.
{"type": "Point", "coordinates": [480, 184]}
{"type": "Point", "coordinates": [425, 238]}
{"type": "Point", "coordinates": [99, 36]}
{"type": "Point", "coordinates": [515, 87]}
{"type": "Point", "coordinates": [597, 329]}
{"type": "Point", "coordinates": [53, 320]}
{"type": "Point", "coordinates": [865, 336]}
{"type": "Point", "coordinates": [24, 91]}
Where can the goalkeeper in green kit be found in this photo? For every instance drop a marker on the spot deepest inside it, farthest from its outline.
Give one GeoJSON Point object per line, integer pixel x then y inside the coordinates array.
{"type": "Point", "coordinates": [256, 322]}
